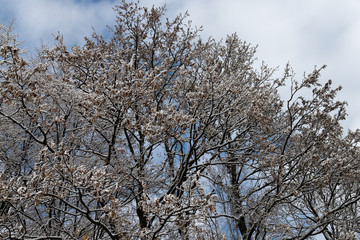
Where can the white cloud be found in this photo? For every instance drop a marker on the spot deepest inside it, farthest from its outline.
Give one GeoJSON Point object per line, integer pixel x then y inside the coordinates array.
{"type": "Point", "coordinates": [36, 21]}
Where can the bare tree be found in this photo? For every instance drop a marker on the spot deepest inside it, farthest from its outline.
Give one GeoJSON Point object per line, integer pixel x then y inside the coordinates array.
{"type": "Point", "coordinates": [158, 134]}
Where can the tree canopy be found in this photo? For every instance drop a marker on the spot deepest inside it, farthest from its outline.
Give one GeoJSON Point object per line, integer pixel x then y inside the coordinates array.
{"type": "Point", "coordinates": [156, 133]}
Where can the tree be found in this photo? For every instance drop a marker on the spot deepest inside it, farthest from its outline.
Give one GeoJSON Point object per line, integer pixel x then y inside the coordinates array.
{"type": "Point", "coordinates": [158, 134]}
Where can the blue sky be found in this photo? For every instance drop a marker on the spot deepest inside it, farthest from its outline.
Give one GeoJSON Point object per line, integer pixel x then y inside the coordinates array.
{"type": "Point", "coordinates": [36, 21]}
{"type": "Point", "coordinates": [302, 32]}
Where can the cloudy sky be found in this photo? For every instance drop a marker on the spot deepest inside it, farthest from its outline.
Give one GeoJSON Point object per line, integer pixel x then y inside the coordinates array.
{"type": "Point", "coordinates": [302, 32]}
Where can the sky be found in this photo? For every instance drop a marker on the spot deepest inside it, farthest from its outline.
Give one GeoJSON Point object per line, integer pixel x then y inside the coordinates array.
{"type": "Point", "coordinates": [304, 33]}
